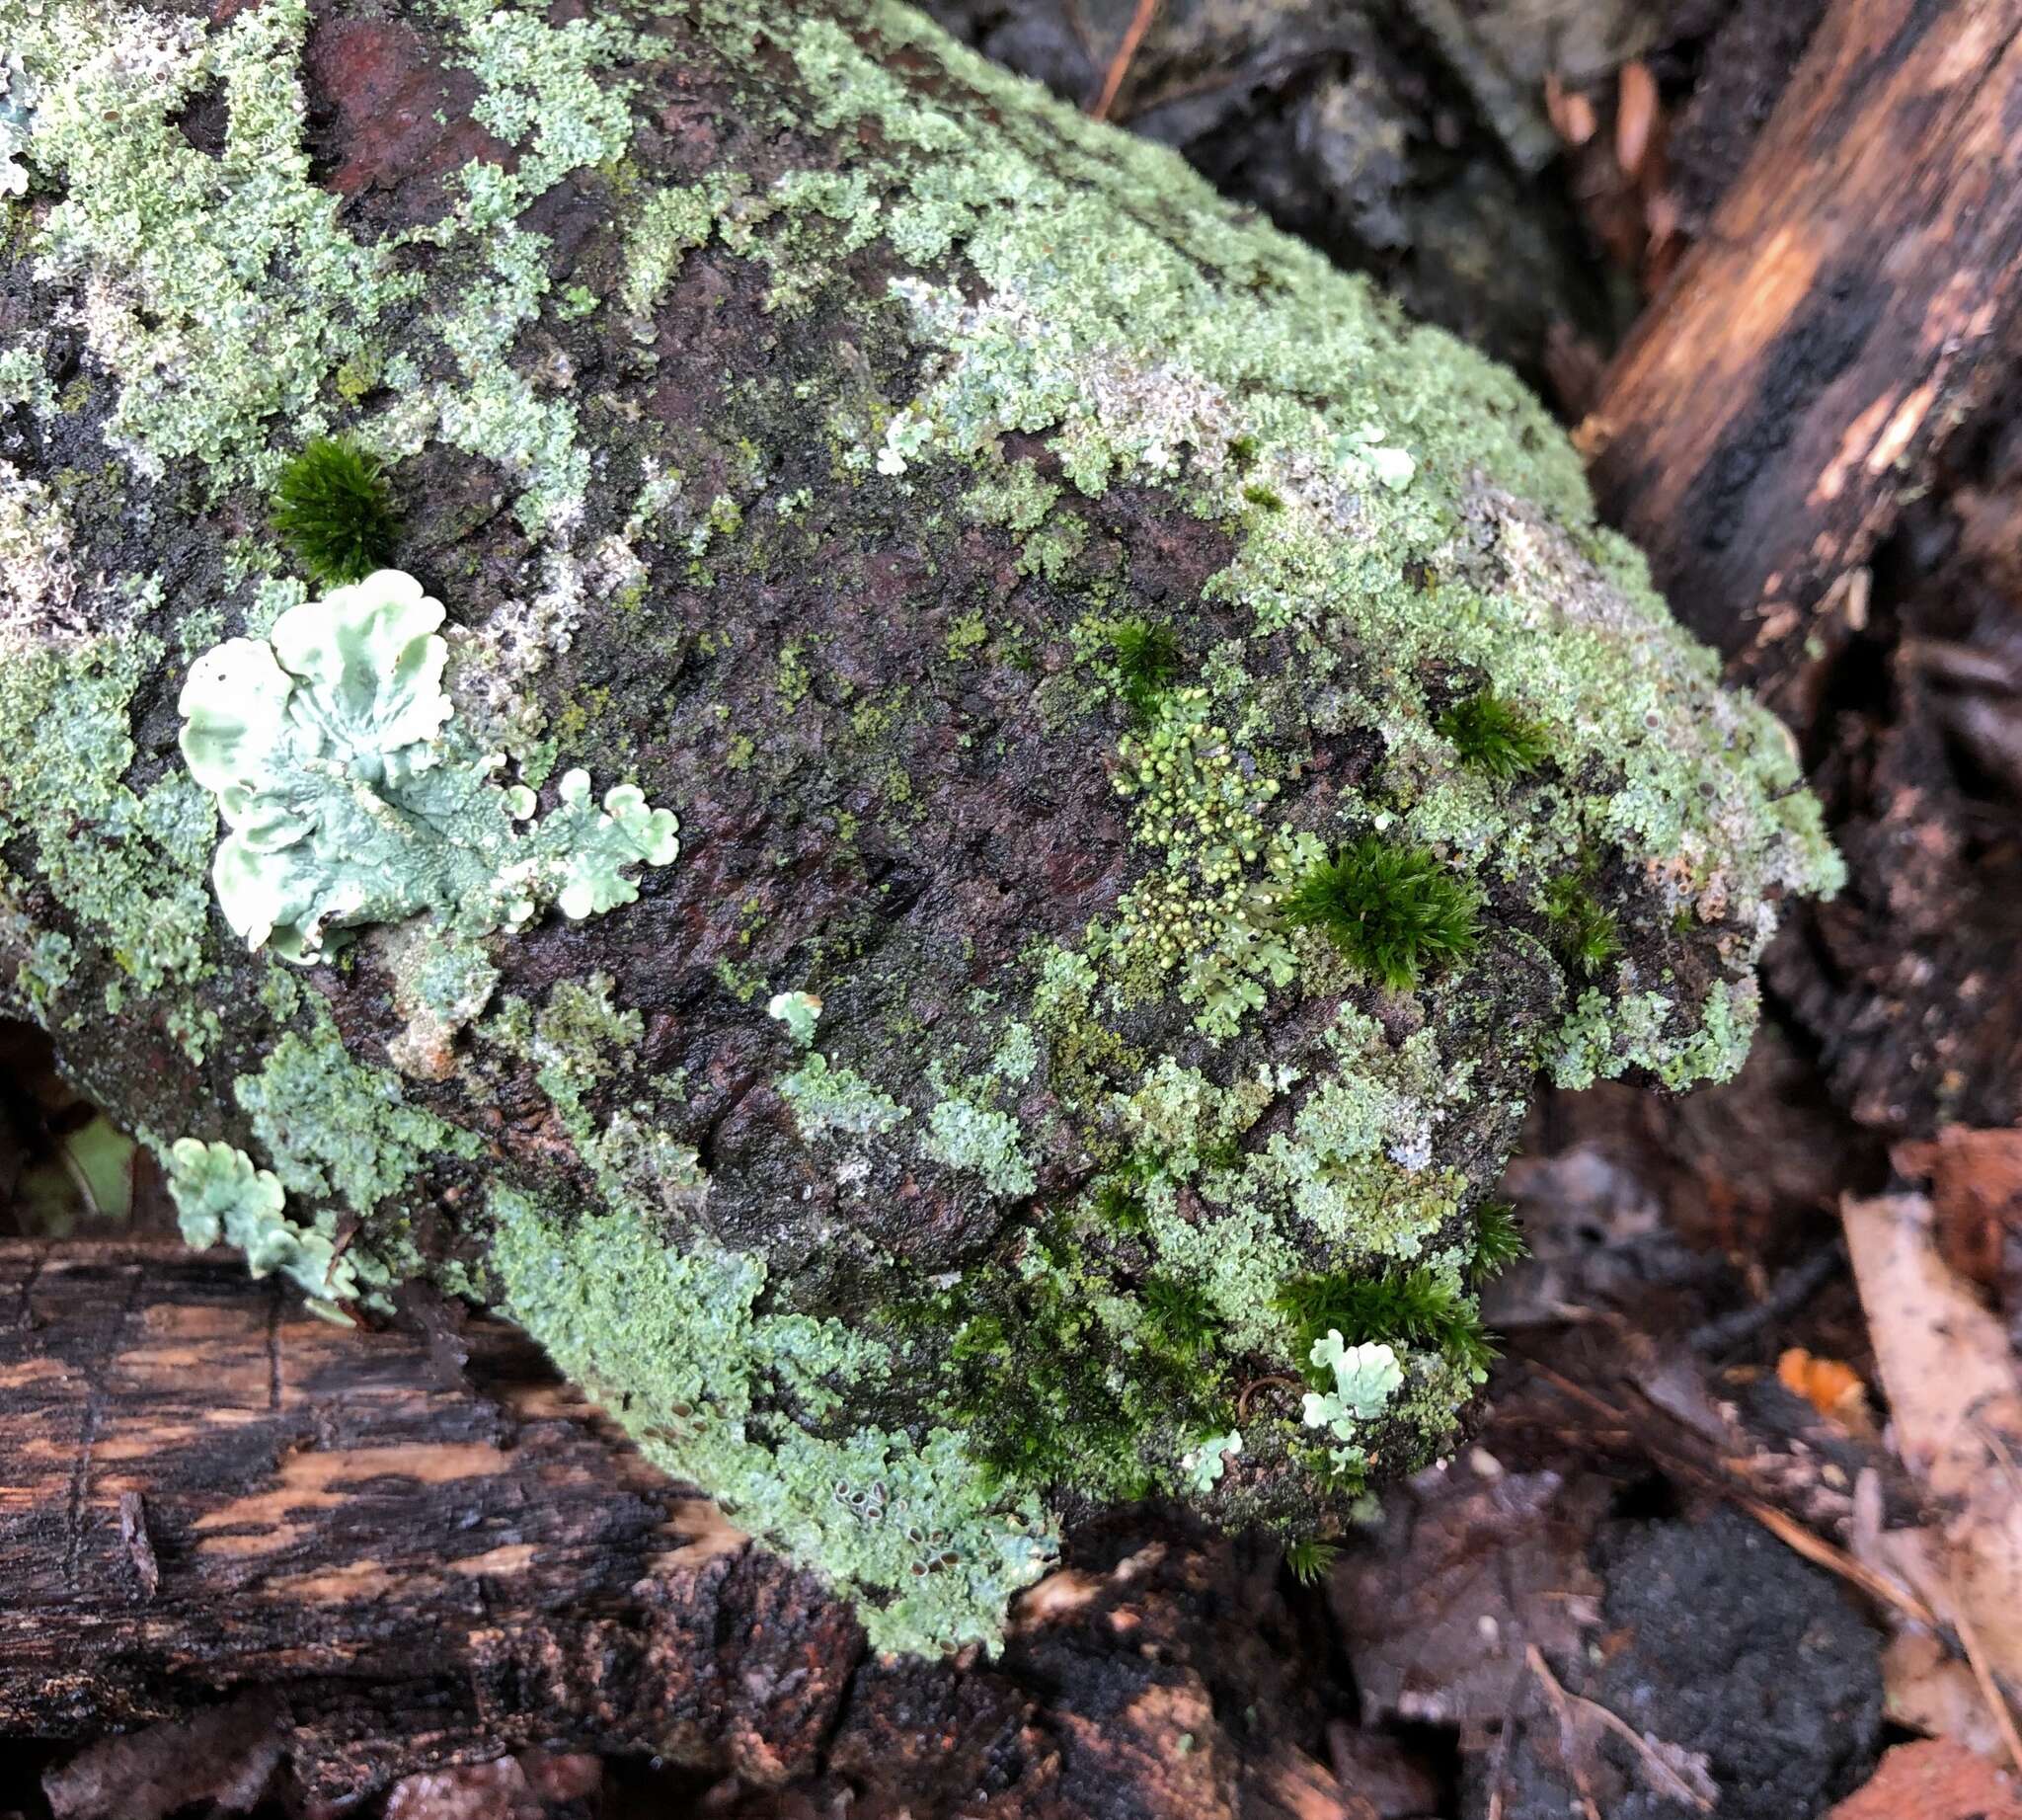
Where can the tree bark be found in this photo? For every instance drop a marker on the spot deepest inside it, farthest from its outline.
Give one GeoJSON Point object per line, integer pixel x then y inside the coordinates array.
{"type": "Point", "coordinates": [1857, 292]}
{"type": "Point", "coordinates": [426, 1545]}
{"type": "Point", "coordinates": [369, 1553]}
{"type": "Point", "coordinates": [798, 423]}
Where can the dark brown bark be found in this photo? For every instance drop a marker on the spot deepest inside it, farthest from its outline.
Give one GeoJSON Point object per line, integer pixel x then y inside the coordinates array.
{"type": "Point", "coordinates": [1855, 294]}
{"type": "Point", "coordinates": [388, 1553]}
{"type": "Point", "coordinates": [424, 1550]}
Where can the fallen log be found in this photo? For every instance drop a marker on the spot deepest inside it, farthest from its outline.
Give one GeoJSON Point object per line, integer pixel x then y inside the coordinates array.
{"type": "Point", "coordinates": [969, 798]}
{"type": "Point", "coordinates": [1855, 301]}
{"type": "Point", "coordinates": [1855, 297]}
{"type": "Point", "coordinates": [423, 1550]}
{"type": "Point", "coordinates": [333, 1557]}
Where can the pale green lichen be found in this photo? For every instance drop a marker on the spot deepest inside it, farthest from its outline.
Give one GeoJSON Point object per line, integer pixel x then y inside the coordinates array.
{"type": "Point", "coordinates": [220, 1197]}
{"type": "Point", "coordinates": [225, 289]}
{"type": "Point", "coordinates": [120, 863]}
{"type": "Point", "coordinates": [1365, 1378]}
{"type": "Point", "coordinates": [963, 1135]}
{"type": "Point", "coordinates": [353, 799]}
{"type": "Point", "coordinates": [577, 1041]}
{"type": "Point", "coordinates": [826, 1100]}
{"type": "Point", "coordinates": [924, 1538]}
{"type": "Point", "coordinates": [1204, 1464]}
{"type": "Point", "coordinates": [335, 1128]}
{"type": "Point", "coordinates": [797, 1011]}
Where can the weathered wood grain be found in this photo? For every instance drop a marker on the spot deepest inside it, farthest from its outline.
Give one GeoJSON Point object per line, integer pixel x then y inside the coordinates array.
{"type": "Point", "coordinates": [428, 1550]}
{"type": "Point", "coordinates": [1858, 290]}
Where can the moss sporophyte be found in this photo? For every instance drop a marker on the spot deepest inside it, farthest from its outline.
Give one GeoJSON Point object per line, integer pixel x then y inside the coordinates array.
{"type": "Point", "coordinates": [905, 1180]}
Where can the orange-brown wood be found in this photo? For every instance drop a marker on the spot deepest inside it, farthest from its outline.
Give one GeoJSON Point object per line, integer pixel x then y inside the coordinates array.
{"type": "Point", "coordinates": [419, 1547]}
{"type": "Point", "coordinates": [1856, 293]}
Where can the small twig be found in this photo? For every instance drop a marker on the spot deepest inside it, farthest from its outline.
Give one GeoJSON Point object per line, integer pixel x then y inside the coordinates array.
{"type": "Point", "coordinates": [1989, 1688]}
{"type": "Point", "coordinates": [1127, 51]}
{"type": "Point", "coordinates": [1569, 1740]}
{"type": "Point", "coordinates": [1834, 1559]}
{"type": "Point", "coordinates": [1660, 1776]}
{"type": "Point", "coordinates": [78, 1180]}
{"type": "Point", "coordinates": [1790, 1292]}
{"type": "Point", "coordinates": [1255, 1384]}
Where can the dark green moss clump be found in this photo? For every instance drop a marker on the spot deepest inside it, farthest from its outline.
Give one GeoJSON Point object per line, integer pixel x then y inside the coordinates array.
{"type": "Point", "coordinates": [1311, 1560]}
{"type": "Point", "coordinates": [1394, 910]}
{"type": "Point", "coordinates": [1412, 1308]}
{"type": "Point", "coordinates": [1182, 1319]}
{"type": "Point", "coordinates": [1149, 659]}
{"type": "Point", "coordinates": [1491, 736]}
{"type": "Point", "coordinates": [335, 512]}
{"type": "Point", "coordinates": [1587, 936]}
{"type": "Point", "coordinates": [1497, 1240]}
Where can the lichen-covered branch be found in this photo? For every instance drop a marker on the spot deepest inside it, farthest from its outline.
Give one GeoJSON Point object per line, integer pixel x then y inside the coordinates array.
{"type": "Point", "coordinates": [1163, 753]}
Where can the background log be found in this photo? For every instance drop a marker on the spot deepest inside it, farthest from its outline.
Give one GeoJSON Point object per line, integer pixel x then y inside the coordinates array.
{"type": "Point", "coordinates": [424, 1548]}
{"type": "Point", "coordinates": [350, 1554]}
{"type": "Point", "coordinates": [1855, 297]}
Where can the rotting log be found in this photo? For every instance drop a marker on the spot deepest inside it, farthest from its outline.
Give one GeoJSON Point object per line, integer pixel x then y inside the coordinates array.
{"type": "Point", "coordinates": [1856, 301]}
{"type": "Point", "coordinates": [346, 1556]}
{"type": "Point", "coordinates": [1164, 755]}
{"type": "Point", "coordinates": [1857, 292]}
{"type": "Point", "coordinates": [423, 1543]}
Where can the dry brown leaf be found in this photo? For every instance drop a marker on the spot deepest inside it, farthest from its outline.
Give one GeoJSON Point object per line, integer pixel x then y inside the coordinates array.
{"type": "Point", "coordinates": [1933, 1781]}
{"type": "Point", "coordinates": [1929, 1690]}
{"type": "Point", "coordinates": [1571, 113]}
{"type": "Point", "coordinates": [1955, 1399]}
{"type": "Point", "coordinates": [1636, 112]}
{"type": "Point", "coordinates": [1976, 1179]}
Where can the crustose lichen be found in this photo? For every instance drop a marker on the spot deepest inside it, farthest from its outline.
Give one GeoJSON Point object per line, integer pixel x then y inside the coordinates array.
{"type": "Point", "coordinates": [352, 797]}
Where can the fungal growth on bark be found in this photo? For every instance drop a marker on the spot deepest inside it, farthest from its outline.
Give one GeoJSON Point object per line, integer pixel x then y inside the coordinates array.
{"type": "Point", "coordinates": [1165, 756]}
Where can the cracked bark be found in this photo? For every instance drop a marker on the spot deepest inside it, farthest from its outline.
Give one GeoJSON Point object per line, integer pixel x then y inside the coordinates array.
{"type": "Point", "coordinates": [392, 1552]}
{"type": "Point", "coordinates": [1856, 294]}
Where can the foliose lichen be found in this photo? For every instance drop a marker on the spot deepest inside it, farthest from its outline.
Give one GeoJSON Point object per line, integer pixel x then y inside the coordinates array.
{"type": "Point", "coordinates": [221, 1197]}
{"type": "Point", "coordinates": [353, 800]}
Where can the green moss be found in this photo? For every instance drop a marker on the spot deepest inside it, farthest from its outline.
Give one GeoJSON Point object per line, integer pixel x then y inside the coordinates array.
{"type": "Point", "coordinates": [1415, 1307]}
{"type": "Point", "coordinates": [1180, 1316]}
{"type": "Point", "coordinates": [966, 635]}
{"type": "Point", "coordinates": [1585, 933]}
{"type": "Point", "coordinates": [1493, 737]}
{"type": "Point", "coordinates": [1310, 1562]}
{"type": "Point", "coordinates": [1149, 659]}
{"type": "Point", "coordinates": [1396, 912]}
{"type": "Point", "coordinates": [1497, 1240]}
{"type": "Point", "coordinates": [334, 511]}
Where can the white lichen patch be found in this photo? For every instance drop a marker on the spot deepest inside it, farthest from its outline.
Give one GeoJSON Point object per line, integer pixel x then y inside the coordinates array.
{"type": "Point", "coordinates": [219, 292]}
{"type": "Point", "coordinates": [38, 578]}
{"type": "Point", "coordinates": [353, 799]}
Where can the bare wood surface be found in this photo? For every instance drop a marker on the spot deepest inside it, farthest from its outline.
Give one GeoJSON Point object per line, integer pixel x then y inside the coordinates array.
{"type": "Point", "coordinates": [343, 1555]}
{"type": "Point", "coordinates": [1857, 293]}
{"type": "Point", "coordinates": [427, 1549]}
